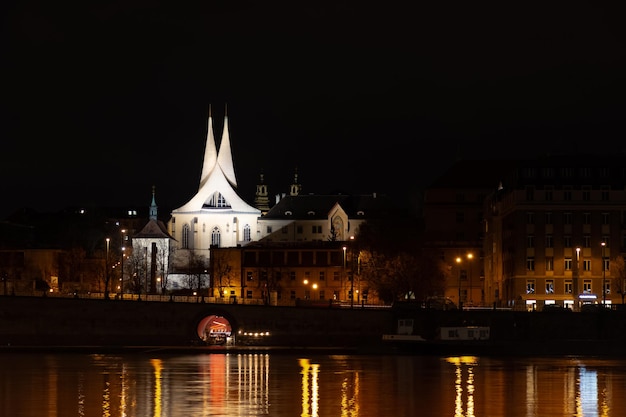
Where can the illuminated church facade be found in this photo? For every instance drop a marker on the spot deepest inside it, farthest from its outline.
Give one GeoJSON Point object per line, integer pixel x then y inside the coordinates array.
{"type": "Point", "coordinates": [218, 217]}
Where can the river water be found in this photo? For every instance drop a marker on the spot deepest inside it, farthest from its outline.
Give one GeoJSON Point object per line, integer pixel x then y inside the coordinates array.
{"type": "Point", "coordinates": [307, 385]}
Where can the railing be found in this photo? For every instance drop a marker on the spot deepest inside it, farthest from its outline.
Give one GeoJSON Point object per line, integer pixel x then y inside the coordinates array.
{"type": "Point", "coordinates": [192, 299]}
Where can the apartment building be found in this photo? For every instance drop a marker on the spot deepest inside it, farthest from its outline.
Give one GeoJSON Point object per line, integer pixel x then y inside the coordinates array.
{"type": "Point", "coordinates": [553, 230]}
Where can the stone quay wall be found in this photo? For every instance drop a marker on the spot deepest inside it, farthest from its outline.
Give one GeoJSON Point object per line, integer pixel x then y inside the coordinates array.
{"type": "Point", "coordinates": [49, 321]}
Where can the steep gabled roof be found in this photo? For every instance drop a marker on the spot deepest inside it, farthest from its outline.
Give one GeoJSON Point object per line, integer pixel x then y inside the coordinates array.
{"type": "Point", "coordinates": [218, 178]}
{"type": "Point", "coordinates": [154, 229]}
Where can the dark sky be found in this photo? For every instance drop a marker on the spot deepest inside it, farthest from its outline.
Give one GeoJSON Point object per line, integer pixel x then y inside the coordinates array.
{"type": "Point", "coordinates": [103, 101]}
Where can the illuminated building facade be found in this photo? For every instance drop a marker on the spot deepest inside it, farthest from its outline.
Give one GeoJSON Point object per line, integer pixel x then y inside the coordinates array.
{"type": "Point", "coordinates": [217, 217]}
{"type": "Point", "coordinates": [312, 273]}
{"type": "Point", "coordinates": [552, 230]}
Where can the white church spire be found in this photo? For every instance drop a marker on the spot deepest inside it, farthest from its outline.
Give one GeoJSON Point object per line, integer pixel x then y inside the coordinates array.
{"type": "Point", "coordinates": [210, 152]}
{"type": "Point", "coordinates": [153, 206]}
{"type": "Point", "coordinates": [224, 157]}
{"type": "Point", "coordinates": [218, 184]}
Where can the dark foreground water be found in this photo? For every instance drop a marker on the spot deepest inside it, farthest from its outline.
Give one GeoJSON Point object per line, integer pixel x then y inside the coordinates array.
{"type": "Point", "coordinates": [65, 385]}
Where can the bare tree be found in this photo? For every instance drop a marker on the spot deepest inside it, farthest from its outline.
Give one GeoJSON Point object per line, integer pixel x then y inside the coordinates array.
{"type": "Point", "coordinates": [272, 284]}
{"type": "Point", "coordinates": [618, 272]}
{"type": "Point", "coordinates": [268, 282]}
{"type": "Point", "coordinates": [138, 274]}
{"type": "Point", "coordinates": [403, 276]}
{"type": "Point", "coordinates": [222, 274]}
{"type": "Point", "coordinates": [71, 268]}
{"type": "Point", "coordinates": [164, 252]}
{"type": "Point", "coordinates": [196, 270]}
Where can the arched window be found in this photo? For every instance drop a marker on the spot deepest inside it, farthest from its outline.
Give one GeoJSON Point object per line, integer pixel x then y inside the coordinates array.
{"type": "Point", "coordinates": [246, 233]}
{"type": "Point", "coordinates": [185, 237]}
{"type": "Point", "coordinates": [338, 228]}
{"type": "Point", "coordinates": [215, 237]}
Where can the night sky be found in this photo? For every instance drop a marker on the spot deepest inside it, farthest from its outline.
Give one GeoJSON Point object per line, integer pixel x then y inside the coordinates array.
{"type": "Point", "coordinates": [103, 101]}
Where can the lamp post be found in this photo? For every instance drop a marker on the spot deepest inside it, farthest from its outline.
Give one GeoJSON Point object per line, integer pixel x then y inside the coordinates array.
{"type": "Point", "coordinates": [123, 248]}
{"type": "Point", "coordinates": [122, 276]}
{"type": "Point", "coordinates": [306, 283]}
{"type": "Point", "coordinates": [575, 290]}
{"type": "Point", "coordinates": [344, 269]}
{"type": "Point", "coordinates": [107, 277]}
{"type": "Point", "coordinates": [603, 244]}
{"type": "Point", "coordinates": [458, 262]}
{"type": "Point", "coordinates": [352, 272]}
{"type": "Point", "coordinates": [145, 258]}
{"type": "Point", "coordinates": [470, 256]}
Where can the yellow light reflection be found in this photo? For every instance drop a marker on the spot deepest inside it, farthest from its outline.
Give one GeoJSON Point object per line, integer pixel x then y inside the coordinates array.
{"type": "Point", "coordinates": [124, 389]}
{"type": "Point", "coordinates": [106, 397]}
{"type": "Point", "coordinates": [157, 364]}
{"type": "Point", "coordinates": [350, 396]}
{"type": "Point", "coordinates": [310, 388]}
{"type": "Point", "coordinates": [464, 386]}
{"type": "Point", "coordinates": [252, 382]}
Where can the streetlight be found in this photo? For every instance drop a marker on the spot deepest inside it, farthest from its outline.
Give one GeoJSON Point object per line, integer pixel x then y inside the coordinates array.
{"type": "Point", "coordinates": [344, 268]}
{"type": "Point", "coordinates": [145, 256]}
{"type": "Point", "coordinates": [123, 231]}
{"type": "Point", "coordinates": [458, 262]}
{"type": "Point", "coordinates": [603, 244]}
{"type": "Point", "coordinates": [576, 291]}
{"type": "Point", "coordinates": [106, 262]}
{"type": "Point", "coordinates": [122, 275]}
{"type": "Point", "coordinates": [352, 272]}
{"type": "Point", "coordinates": [470, 256]}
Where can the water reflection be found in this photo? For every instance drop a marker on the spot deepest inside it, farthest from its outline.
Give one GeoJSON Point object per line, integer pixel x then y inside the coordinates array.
{"type": "Point", "coordinates": [307, 386]}
{"type": "Point", "coordinates": [464, 386]}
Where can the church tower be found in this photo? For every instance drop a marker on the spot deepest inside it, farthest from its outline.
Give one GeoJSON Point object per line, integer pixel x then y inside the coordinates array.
{"type": "Point", "coordinates": [261, 199]}
{"type": "Point", "coordinates": [296, 188]}
{"type": "Point", "coordinates": [153, 206]}
{"type": "Point", "coordinates": [216, 215]}
{"type": "Point", "coordinates": [152, 248]}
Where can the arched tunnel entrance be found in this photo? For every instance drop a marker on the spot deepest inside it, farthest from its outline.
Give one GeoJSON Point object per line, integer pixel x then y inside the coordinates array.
{"type": "Point", "coordinates": [218, 327]}
{"type": "Point", "coordinates": [215, 329]}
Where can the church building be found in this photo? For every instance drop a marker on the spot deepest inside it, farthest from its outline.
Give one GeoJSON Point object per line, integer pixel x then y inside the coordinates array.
{"type": "Point", "coordinates": [218, 217]}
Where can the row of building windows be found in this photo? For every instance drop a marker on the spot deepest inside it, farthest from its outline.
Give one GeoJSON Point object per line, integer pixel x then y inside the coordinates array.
{"type": "Point", "coordinates": [567, 241]}
{"type": "Point", "coordinates": [293, 295]}
{"type": "Point", "coordinates": [278, 275]}
{"type": "Point", "coordinates": [566, 194]}
{"type": "Point", "coordinates": [247, 235]}
{"type": "Point", "coordinates": [568, 287]}
{"type": "Point", "coordinates": [567, 217]}
{"type": "Point", "coordinates": [568, 264]}
{"type": "Point", "coordinates": [315, 229]}
{"type": "Point", "coordinates": [216, 236]}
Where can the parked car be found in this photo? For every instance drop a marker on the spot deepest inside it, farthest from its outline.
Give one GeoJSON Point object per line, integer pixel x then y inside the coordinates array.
{"type": "Point", "coordinates": [440, 303]}
{"type": "Point", "coordinates": [590, 308]}
{"type": "Point", "coordinates": [555, 308]}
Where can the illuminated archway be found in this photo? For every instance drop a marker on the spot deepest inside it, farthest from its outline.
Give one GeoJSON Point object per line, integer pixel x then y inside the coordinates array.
{"type": "Point", "coordinates": [215, 330]}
